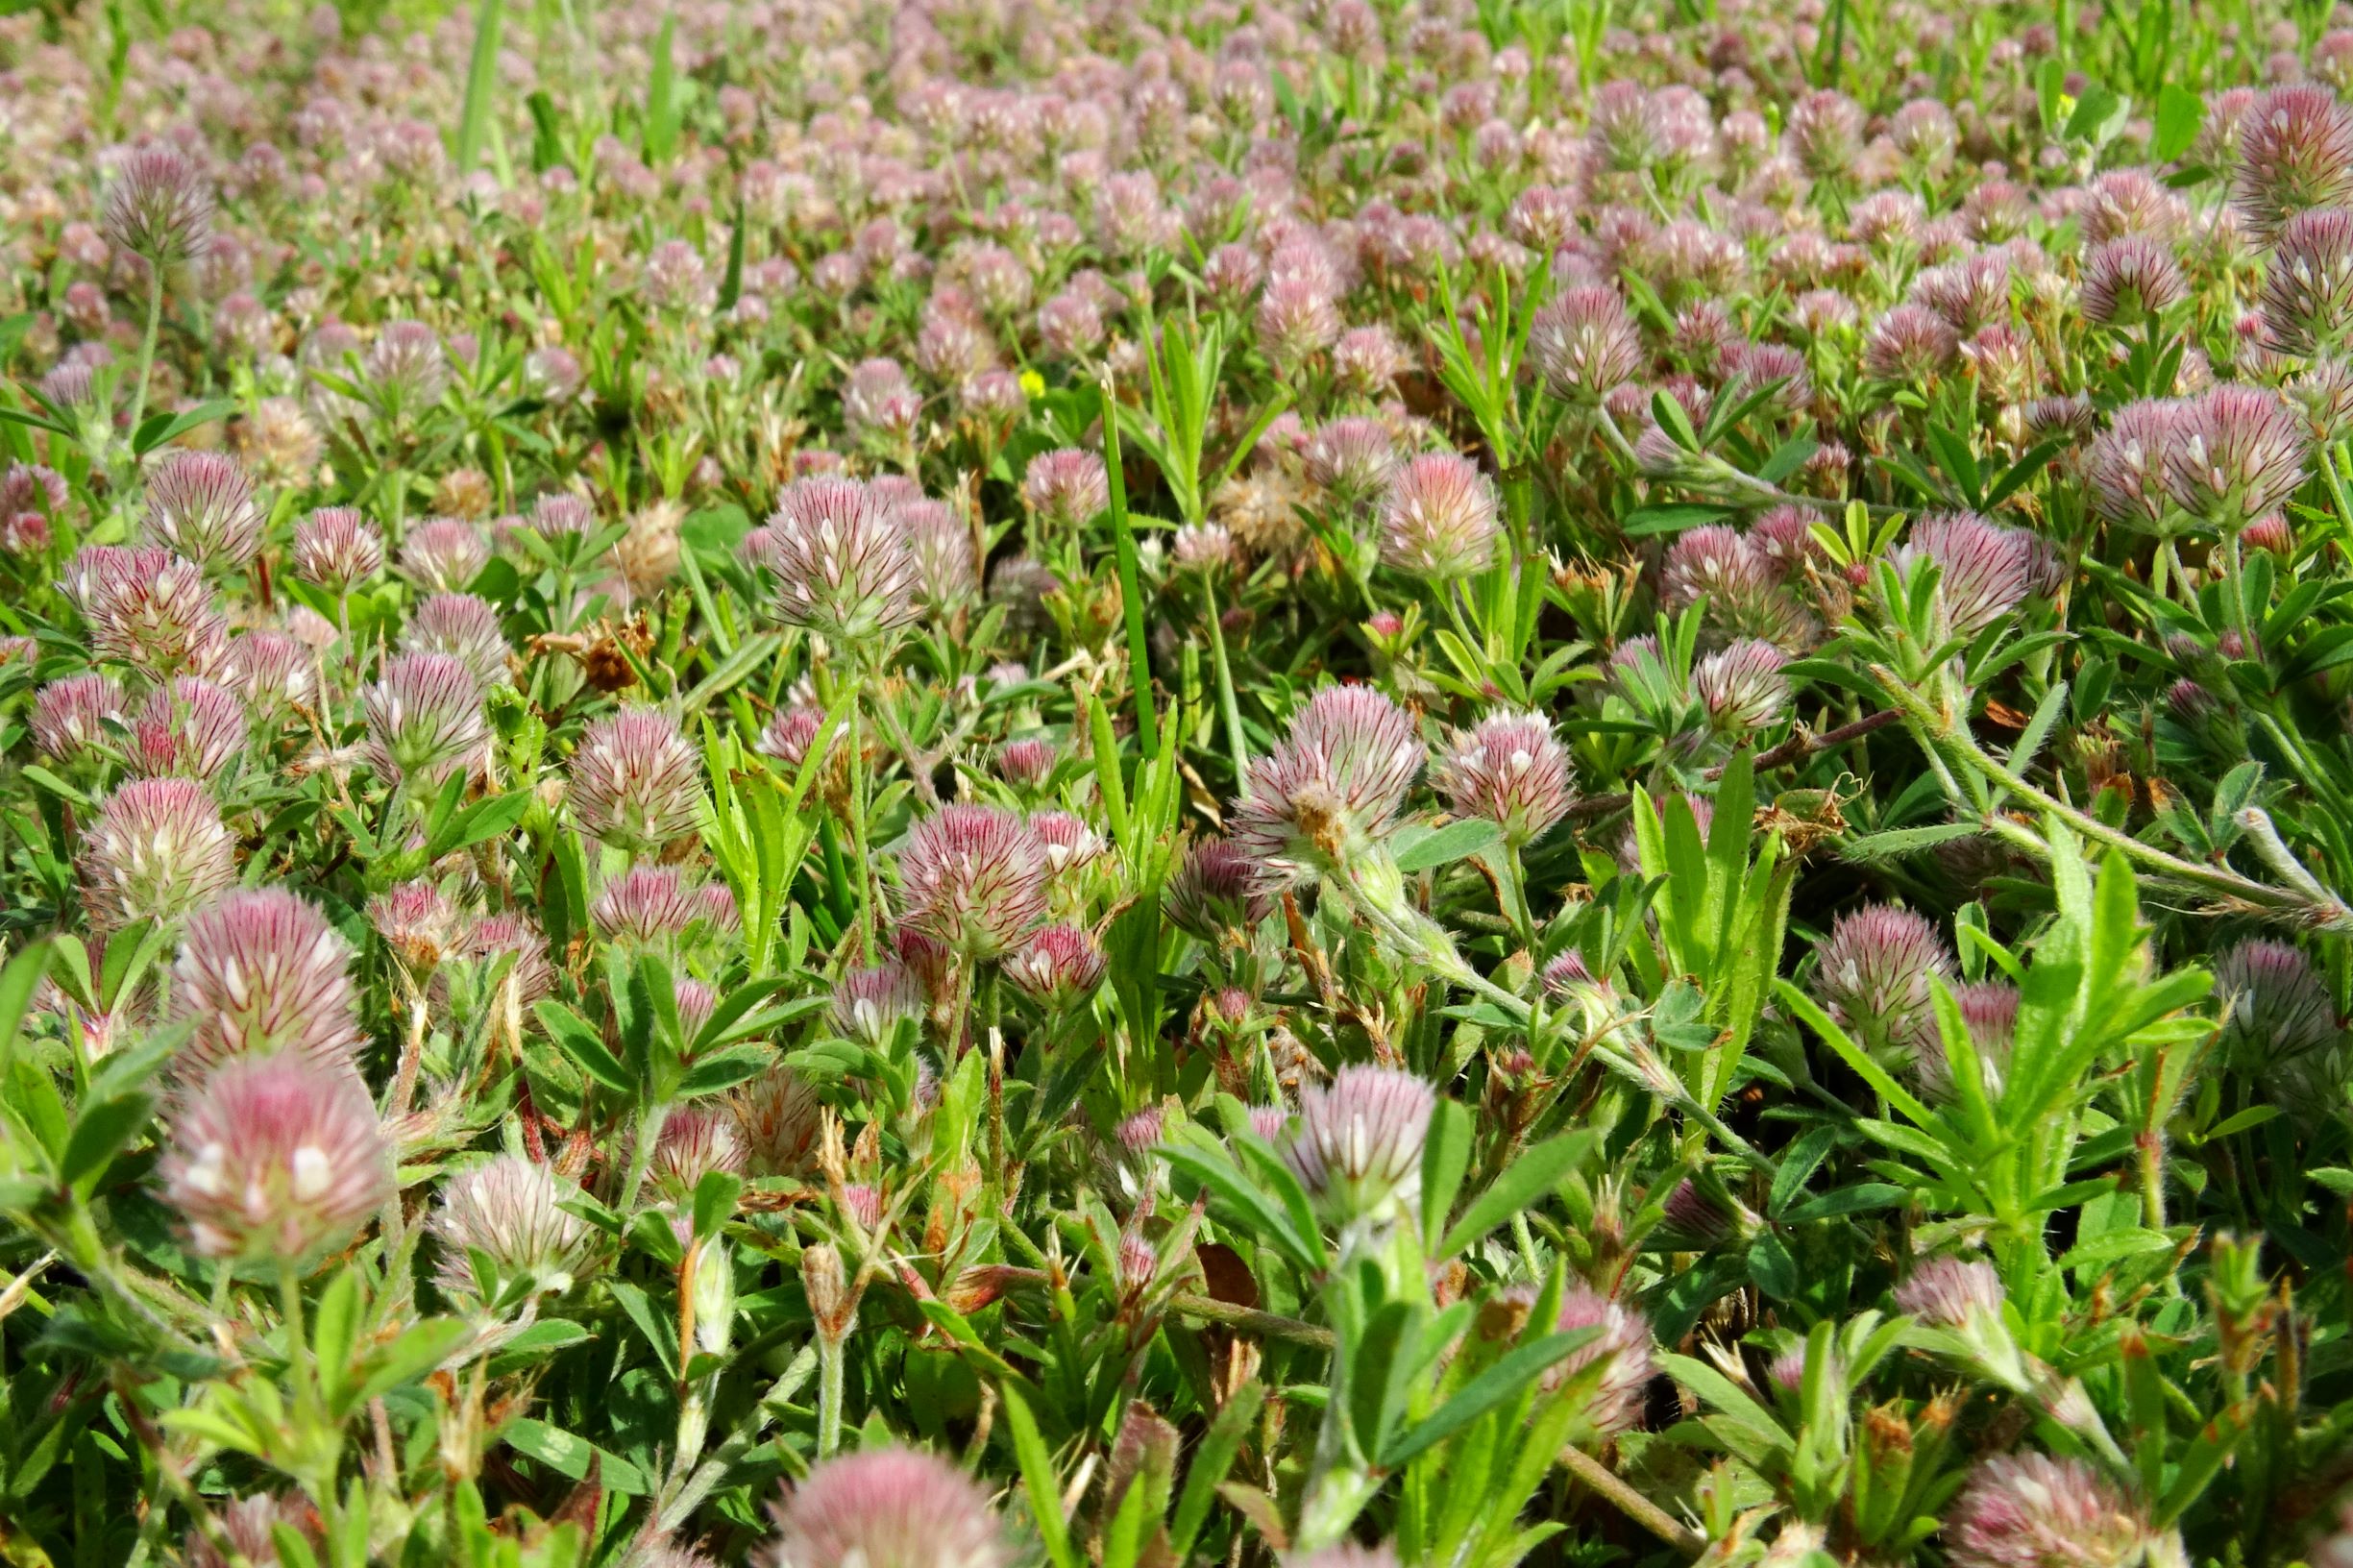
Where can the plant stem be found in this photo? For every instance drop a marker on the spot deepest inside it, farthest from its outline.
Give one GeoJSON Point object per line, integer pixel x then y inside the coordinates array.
{"type": "Point", "coordinates": [147, 346]}
{"type": "Point", "coordinates": [828, 1395]}
{"type": "Point", "coordinates": [1228, 707]}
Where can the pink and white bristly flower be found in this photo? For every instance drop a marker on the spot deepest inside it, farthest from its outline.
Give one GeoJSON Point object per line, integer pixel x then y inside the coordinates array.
{"type": "Point", "coordinates": [74, 717]}
{"type": "Point", "coordinates": [464, 626]}
{"type": "Point", "coordinates": [425, 717]}
{"type": "Point", "coordinates": [1508, 769]}
{"type": "Point", "coordinates": [646, 906]}
{"type": "Point", "coordinates": [509, 1209]}
{"type": "Point", "coordinates": [841, 561]}
{"type": "Point", "coordinates": [636, 782]}
{"type": "Point", "coordinates": [160, 207]}
{"type": "Point", "coordinates": [1621, 1351]}
{"type": "Point", "coordinates": [336, 548]}
{"type": "Point", "coordinates": [276, 1160]}
{"type": "Point", "coordinates": [189, 726]}
{"type": "Point", "coordinates": [1441, 518]}
{"type": "Point", "coordinates": [2240, 452]}
{"type": "Point", "coordinates": [890, 1508]}
{"type": "Point", "coordinates": [1358, 1145]}
{"type": "Point", "coordinates": [156, 851]}
{"type": "Point", "coordinates": [974, 877]}
{"type": "Point", "coordinates": [2033, 1510]}
{"type": "Point", "coordinates": [200, 505]}
{"type": "Point", "coordinates": [1948, 1292]}
{"type": "Point", "coordinates": [1874, 975]}
{"type": "Point", "coordinates": [1059, 965]}
{"type": "Point", "coordinates": [1332, 786]}
{"type": "Point", "coordinates": [149, 609]}
{"type": "Point", "coordinates": [260, 972]}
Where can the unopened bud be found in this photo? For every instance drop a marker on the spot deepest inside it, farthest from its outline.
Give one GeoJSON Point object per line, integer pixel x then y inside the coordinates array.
{"type": "Point", "coordinates": [831, 1301]}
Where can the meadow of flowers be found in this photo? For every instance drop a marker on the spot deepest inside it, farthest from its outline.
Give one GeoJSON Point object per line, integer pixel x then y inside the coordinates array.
{"type": "Point", "coordinates": [1125, 784]}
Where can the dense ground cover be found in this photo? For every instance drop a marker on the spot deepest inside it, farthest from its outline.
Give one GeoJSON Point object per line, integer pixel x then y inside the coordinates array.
{"type": "Point", "coordinates": [1334, 783]}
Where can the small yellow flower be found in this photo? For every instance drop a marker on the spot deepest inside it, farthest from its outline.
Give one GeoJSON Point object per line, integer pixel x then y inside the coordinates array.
{"type": "Point", "coordinates": [1032, 385]}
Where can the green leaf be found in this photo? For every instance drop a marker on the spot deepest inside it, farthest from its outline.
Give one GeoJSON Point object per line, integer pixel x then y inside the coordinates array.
{"type": "Point", "coordinates": [482, 84]}
{"type": "Point", "coordinates": [18, 978]}
{"type": "Point", "coordinates": [486, 818]}
{"type": "Point", "coordinates": [1211, 1462]}
{"type": "Point", "coordinates": [422, 1347]}
{"type": "Point", "coordinates": [2111, 1247]}
{"type": "Point", "coordinates": [2179, 116]}
{"type": "Point", "coordinates": [334, 1330]}
{"type": "Point", "coordinates": [155, 431]}
{"type": "Point", "coordinates": [1446, 1154]}
{"type": "Point", "coordinates": [100, 1131]}
{"type": "Point", "coordinates": [573, 1037]}
{"type": "Point", "coordinates": [1525, 1180]}
{"type": "Point", "coordinates": [1038, 1478]}
{"type": "Point", "coordinates": [1243, 1203]}
{"type": "Point", "coordinates": [662, 96]}
{"type": "Point", "coordinates": [1507, 1379]}
{"type": "Point", "coordinates": [1441, 847]}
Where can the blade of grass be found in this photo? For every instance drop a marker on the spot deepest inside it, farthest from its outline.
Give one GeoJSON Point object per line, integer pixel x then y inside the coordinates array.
{"type": "Point", "coordinates": [1131, 595]}
{"type": "Point", "coordinates": [481, 81]}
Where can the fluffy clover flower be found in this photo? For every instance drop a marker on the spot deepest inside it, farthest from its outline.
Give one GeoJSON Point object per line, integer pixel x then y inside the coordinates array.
{"type": "Point", "coordinates": [2131, 277]}
{"type": "Point", "coordinates": [974, 877]}
{"type": "Point", "coordinates": [696, 1140]}
{"type": "Point", "coordinates": [2274, 1004]}
{"type": "Point", "coordinates": [1439, 519]}
{"type": "Point", "coordinates": [1330, 786]}
{"type": "Point", "coordinates": [1353, 459]}
{"type": "Point", "coordinates": [276, 1160]}
{"type": "Point", "coordinates": [74, 716]}
{"type": "Point", "coordinates": [1874, 975]}
{"type": "Point", "coordinates": [789, 734]}
{"type": "Point", "coordinates": [1949, 1292]}
{"type": "Point", "coordinates": [2308, 285]}
{"type": "Point", "coordinates": [2295, 152]}
{"type": "Point", "coordinates": [1742, 687]}
{"type": "Point", "coordinates": [417, 923]}
{"type": "Point", "coordinates": [1216, 890]}
{"type": "Point", "coordinates": [1622, 1351]}
{"type": "Point", "coordinates": [636, 782]}
{"type": "Point", "coordinates": [2240, 452]}
{"type": "Point", "coordinates": [842, 565]}
{"type": "Point", "coordinates": [868, 1004]}
{"type": "Point", "coordinates": [444, 553]}
{"type": "Point", "coordinates": [509, 1209]}
{"type": "Point", "coordinates": [1067, 486]}
{"type": "Point", "coordinates": [886, 1507]}
{"type": "Point", "coordinates": [1359, 1147]}
{"type": "Point", "coordinates": [465, 628]}
{"type": "Point", "coordinates": [1583, 344]}
{"type": "Point", "coordinates": [149, 609]}
{"type": "Point", "coordinates": [1059, 965]}
{"type": "Point", "coordinates": [425, 717]}
{"type": "Point", "coordinates": [274, 673]}
{"type": "Point", "coordinates": [201, 506]}
{"type": "Point", "coordinates": [646, 906]}
{"type": "Point", "coordinates": [160, 207]}
{"type": "Point", "coordinates": [1984, 570]}
{"type": "Point", "coordinates": [336, 546]}
{"type": "Point", "coordinates": [156, 851]}
{"type": "Point", "coordinates": [1346, 1555]}
{"type": "Point", "coordinates": [1508, 769]}
{"type": "Point", "coordinates": [2031, 1511]}
{"type": "Point", "coordinates": [188, 725]}
{"type": "Point", "coordinates": [529, 976]}
{"type": "Point", "coordinates": [260, 972]}
{"type": "Point", "coordinates": [779, 1120]}
{"type": "Point", "coordinates": [2128, 463]}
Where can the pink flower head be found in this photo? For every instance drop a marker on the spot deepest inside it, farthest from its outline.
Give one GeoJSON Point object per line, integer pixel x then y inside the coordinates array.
{"type": "Point", "coordinates": [1742, 687]}
{"type": "Point", "coordinates": [1333, 784]}
{"type": "Point", "coordinates": [1585, 344]}
{"type": "Point", "coordinates": [646, 906]}
{"type": "Point", "coordinates": [696, 1140]}
{"type": "Point", "coordinates": [2031, 1511]}
{"type": "Point", "coordinates": [1947, 1292]}
{"type": "Point", "coordinates": [160, 207]}
{"type": "Point", "coordinates": [1985, 569]}
{"type": "Point", "coordinates": [1026, 762]}
{"type": "Point", "coordinates": [1874, 973]}
{"type": "Point", "coordinates": [1216, 891]}
{"type": "Point", "coordinates": [1509, 769]}
{"type": "Point", "coordinates": [273, 672]}
{"type": "Point", "coordinates": [156, 851]}
{"type": "Point", "coordinates": [417, 923]}
{"type": "Point", "coordinates": [1359, 1148]}
{"type": "Point", "coordinates": [974, 877]}
{"type": "Point", "coordinates": [2128, 463]}
{"type": "Point", "coordinates": [444, 553]}
{"type": "Point", "coordinates": [463, 626]}
{"type": "Point", "coordinates": [529, 976]}
{"type": "Point", "coordinates": [73, 716]}
{"type": "Point", "coordinates": [1622, 1349]}
{"type": "Point", "coordinates": [424, 718]}
{"type": "Point", "coordinates": [869, 1004]}
{"type": "Point", "coordinates": [2295, 152]}
{"type": "Point", "coordinates": [188, 725]}
{"type": "Point", "coordinates": [1352, 458]}
{"type": "Point", "coordinates": [1066, 487]}
{"type": "Point", "coordinates": [1440, 520]}
{"type": "Point", "coordinates": [636, 782]}
{"type": "Point", "coordinates": [510, 1211]}
{"type": "Point", "coordinates": [276, 1158]}
{"type": "Point", "coordinates": [2239, 452]}
{"type": "Point", "coordinates": [1059, 965]}
{"type": "Point", "coordinates": [260, 972]}
{"type": "Point", "coordinates": [2308, 283]}
{"type": "Point", "coordinates": [2276, 1005]}
{"type": "Point", "coordinates": [886, 1507]}
{"type": "Point", "coordinates": [336, 546]}
{"type": "Point", "coordinates": [777, 1116]}
{"type": "Point", "coordinates": [200, 505]}
{"type": "Point", "coordinates": [149, 609]}
{"type": "Point", "coordinates": [2130, 278]}
{"type": "Point", "coordinates": [840, 562]}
